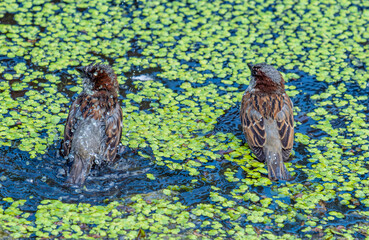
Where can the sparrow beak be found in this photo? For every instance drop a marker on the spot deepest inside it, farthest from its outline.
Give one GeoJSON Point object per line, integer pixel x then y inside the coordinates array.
{"type": "Point", "coordinates": [250, 66]}
{"type": "Point", "coordinates": [80, 69]}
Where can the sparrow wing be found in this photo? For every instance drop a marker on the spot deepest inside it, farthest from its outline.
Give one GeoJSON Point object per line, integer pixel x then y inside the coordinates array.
{"type": "Point", "coordinates": [285, 125]}
{"type": "Point", "coordinates": [113, 132]}
{"type": "Point", "coordinates": [252, 122]}
{"type": "Point", "coordinates": [68, 130]}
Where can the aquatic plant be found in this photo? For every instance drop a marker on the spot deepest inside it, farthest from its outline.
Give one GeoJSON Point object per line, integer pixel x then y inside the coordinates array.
{"type": "Point", "coordinates": [195, 55]}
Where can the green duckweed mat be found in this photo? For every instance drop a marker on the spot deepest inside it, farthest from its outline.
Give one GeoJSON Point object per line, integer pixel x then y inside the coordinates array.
{"type": "Point", "coordinates": [199, 52]}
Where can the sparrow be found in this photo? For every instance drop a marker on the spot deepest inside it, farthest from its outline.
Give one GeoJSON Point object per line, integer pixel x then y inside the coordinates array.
{"type": "Point", "coordinates": [94, 125]}
{"type": "Point", "coordinates": [267, 119]}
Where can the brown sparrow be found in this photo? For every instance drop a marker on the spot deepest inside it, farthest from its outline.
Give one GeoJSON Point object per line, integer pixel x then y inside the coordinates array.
{"type": "Point", "coordinates": [267, 119]}
{"type": "Point", "coordinates": [94, 124]}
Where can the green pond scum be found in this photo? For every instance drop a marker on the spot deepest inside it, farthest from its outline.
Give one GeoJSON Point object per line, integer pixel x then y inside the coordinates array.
{"type": "Point", "coordinates": [198, 53]}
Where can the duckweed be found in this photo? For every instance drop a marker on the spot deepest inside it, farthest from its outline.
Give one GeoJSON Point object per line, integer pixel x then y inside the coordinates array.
{"type": "Point", "coordinates": [195, 54]}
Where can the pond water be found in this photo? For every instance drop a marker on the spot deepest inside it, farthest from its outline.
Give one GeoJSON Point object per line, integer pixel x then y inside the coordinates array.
{"type": "Point", "coordinates": [187, 170]}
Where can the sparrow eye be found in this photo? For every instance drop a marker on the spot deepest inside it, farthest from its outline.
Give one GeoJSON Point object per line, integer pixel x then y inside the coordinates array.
{"type": "Point", "coordinates": [255, 70]}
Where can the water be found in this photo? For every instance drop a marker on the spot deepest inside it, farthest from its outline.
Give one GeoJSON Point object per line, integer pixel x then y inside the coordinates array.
{"type": "Point", "coordinates": [43, 177]}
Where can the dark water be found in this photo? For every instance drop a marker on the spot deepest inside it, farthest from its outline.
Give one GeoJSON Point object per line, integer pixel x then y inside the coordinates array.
{"type": "Point", "coordinates": [43, 177]}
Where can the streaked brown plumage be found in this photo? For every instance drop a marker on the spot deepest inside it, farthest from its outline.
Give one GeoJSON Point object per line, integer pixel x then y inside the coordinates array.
{"type": "Point", "coordinates": [94, 124]}
{"type": "Point", "coordinates": [267, 119]}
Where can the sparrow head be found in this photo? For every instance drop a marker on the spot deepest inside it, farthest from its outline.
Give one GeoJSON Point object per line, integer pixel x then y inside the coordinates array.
{"type": "Point", "coordinates": [265, 78]}
{"type": "Point", "coordinates": [99, 77]}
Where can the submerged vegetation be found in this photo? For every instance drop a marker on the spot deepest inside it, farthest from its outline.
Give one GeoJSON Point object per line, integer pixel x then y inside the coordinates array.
{"type": "Point", "coordinates": [182, 67]}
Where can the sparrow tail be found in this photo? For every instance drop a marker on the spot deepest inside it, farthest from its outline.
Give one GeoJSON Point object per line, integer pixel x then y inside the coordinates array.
{"type": "Point", "coordinates": [276, 168]}
{"type": "Point", "coordinates": [79, 171]}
